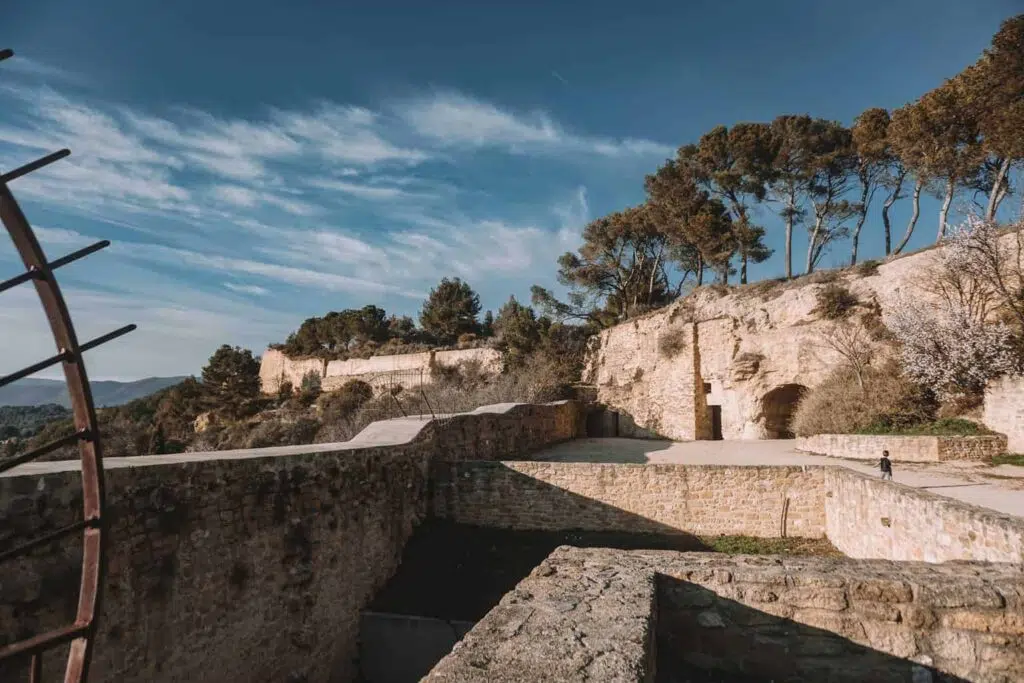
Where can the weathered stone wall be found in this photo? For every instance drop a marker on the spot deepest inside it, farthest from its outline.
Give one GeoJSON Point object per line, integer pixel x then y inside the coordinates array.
{"type": "Point", "coordinates": [1004, 410]}
{"type": "Point", "coordinates": [276, 367]}
{"type": "Point", "coordinates": [702, 500]}
{"type": "Point", "coordinates": [870, 518]}
{"type": "Point", "coordinates": [904, 448]}
{"type": "Point", "coordinates": [743, 345]}
{"type": "Point", "coordinates": [654, 615]}
{"type": "Point", "coordinates": [244, 565]}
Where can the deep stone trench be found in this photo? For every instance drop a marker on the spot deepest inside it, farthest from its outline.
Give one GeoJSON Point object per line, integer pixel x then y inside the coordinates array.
{"type": "Point", "coordinates": [451, 575]}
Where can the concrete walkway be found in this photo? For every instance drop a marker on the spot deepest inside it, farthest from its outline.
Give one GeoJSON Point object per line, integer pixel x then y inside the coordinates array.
{"type": "Point", "coordinates": [998, 488]}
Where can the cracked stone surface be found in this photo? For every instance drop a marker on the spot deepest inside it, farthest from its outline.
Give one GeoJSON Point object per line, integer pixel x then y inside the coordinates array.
{"type": "Point", "coordinates": [611, 615]}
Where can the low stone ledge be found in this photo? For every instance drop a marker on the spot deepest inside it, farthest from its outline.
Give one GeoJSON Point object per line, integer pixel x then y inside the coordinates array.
{"type": "Point", "coordinates": [904, 448]}
{"type": "Point", "coordinates": [603, 614]}
{"type": "Point", "coordinates": [567, 622]}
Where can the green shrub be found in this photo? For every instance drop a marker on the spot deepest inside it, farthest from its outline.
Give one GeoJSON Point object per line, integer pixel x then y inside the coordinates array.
{"type": "Point", "coordinates": [943, 427]}
{"type": "Point", "coordinates": [835, 302]}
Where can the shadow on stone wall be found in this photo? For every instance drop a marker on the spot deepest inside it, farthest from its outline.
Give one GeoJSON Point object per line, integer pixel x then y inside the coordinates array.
{"type": "Point", "coordinates": [459, 572]}
{"type": "Point", "coordinates": [610, 450]}
{"type": "Point", "coordinates": [702, 636]}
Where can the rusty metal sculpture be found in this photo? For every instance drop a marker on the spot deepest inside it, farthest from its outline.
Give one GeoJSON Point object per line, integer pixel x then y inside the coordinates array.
{"type": "Point", "coordinates": [81, 633]}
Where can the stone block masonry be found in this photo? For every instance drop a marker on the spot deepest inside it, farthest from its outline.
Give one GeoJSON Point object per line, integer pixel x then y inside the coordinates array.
{"type": "Point", "coordinates": [659, 615]}
{"type": "Point", "coordinates": [904, 448]}
{"type": "Point", "coordinates": [243, 565]}
{"type": "Point", "coordinates": [869, 518]}
{"type": "Point", "coordinates": [1004, 410]}
{"type": "Point", "coordinates": [702, 500]}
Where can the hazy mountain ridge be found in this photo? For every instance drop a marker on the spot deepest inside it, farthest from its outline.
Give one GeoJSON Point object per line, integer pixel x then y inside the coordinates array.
{"type": "Point", "coordinates": [36, 392]}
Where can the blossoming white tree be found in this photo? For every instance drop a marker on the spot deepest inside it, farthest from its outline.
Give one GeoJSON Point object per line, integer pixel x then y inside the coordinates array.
{"type": "Point", "coordinates": [955, 340]}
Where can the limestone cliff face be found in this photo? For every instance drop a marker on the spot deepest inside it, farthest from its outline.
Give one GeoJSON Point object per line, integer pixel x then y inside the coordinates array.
{"type": "Point", "coordinates": [410, 368]}
{"type": "Point", "coordinates": [738, 359]}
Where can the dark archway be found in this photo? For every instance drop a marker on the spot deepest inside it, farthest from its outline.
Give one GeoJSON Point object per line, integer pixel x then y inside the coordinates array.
{"type": "Point", "coordinates": [778, 406]}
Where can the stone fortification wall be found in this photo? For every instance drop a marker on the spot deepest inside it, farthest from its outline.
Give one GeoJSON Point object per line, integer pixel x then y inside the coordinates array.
{"type": "Point", "coordinates": [243, 565]}
{"type": "Point", "coordinates": [275, 367]}
{"type": "Point", "coordinates": [904, 448]}
{"type": "Point", "coordinates": [702, 500]}
{"type": "Point", "coordinates": [1004, 410]}
{"type": "Point", "coordinates": [740, 350]}
{"type": "Point", "coordinates": [870, 518]}
{"type": "Point", "coordinates": [656, 615]}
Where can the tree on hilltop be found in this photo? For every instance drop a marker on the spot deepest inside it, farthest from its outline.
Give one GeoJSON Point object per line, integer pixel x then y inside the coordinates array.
{"type": "Point", "coordinates": [994, 93]}
{"type": "Point", "coordinates": [697, 228]}
{"type": "Point", "coordinates": [621, 267]}
{"type": "Point", "coordinates": [735, 165]}
{"type": "Point", "coordinates": [231, 381]}
{"type": "Point", "coordinates": [517, 330]}
{"type": "Point", "coordinates": [830, 167]}
{"type": "Point", "coordinates": [450, 310]}
{"type": "Point", "coordinates": [878, 167]}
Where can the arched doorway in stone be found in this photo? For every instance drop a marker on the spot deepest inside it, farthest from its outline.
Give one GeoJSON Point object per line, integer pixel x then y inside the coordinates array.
{"type": "Point", "coordinates": [778, 406]}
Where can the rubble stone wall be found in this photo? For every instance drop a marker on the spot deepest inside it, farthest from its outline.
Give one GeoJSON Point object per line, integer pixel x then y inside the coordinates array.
{"type": "Point", "coordinates": [242, 565]}
{"type": "Point", "coordinates": [701, 500]}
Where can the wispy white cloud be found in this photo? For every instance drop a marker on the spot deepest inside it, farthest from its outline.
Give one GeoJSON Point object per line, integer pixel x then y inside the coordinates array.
{"type": "Point", "coordinates": [241, 228]}
{"type": "Point", "coordinates": [351, 135]}
{"type": "Point", "coordinates": [255, 290]}
{"type": "Point", "coordinates": [455, 119]}
{"type": "Point", "coordinates": [367, 191]}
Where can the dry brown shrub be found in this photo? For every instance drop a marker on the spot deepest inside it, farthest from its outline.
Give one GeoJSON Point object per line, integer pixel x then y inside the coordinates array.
{"type": "Point", "coordinates": [839, 406]}
{"type": "Point", "coordinates": [672, 342]}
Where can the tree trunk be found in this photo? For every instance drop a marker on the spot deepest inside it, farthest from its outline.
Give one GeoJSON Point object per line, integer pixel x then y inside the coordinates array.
{"type": "Point", "coordinates": [654, 271]}
{"type": "Point", "coordinates": [918, 184]}
{"type": "Point", "coordinates": [814, 241]}
{"type": "Point", "coordinates": [944, 211]}
{"type": "Point", "coordinates": [889, 201]}
{"type": "Point", "coordinates": [995, 196]}
{"type": "Point", "coordinates": [700, 270]}
{"type": "Point", "coordinates": [789, 247]}
{"type": "Point", "coordinates": [860, 221]}
{"type": "Point", "coordinates": [743, 268]}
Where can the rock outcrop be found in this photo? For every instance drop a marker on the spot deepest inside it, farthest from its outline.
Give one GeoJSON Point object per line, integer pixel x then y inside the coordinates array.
{"type": "Point", "coordinates": [732, 363]}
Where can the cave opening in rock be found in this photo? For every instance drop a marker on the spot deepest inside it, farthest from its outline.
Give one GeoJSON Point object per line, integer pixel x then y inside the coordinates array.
{"type": "Point", "coordinates": [779, 405]}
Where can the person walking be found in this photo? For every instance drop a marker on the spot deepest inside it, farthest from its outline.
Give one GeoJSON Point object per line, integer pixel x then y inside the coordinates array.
{"type": "Point", "coordinates": [886, 466]}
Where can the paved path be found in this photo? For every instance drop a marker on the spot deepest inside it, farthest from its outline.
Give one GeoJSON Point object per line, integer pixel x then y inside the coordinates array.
{"type": "Point", "coordinates": [998, 488]}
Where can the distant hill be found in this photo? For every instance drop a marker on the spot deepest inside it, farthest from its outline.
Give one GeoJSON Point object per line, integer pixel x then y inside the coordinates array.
{"type": "Point", "coordinates": [37, 392]}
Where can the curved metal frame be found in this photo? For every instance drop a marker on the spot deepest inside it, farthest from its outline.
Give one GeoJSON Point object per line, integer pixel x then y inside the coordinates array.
{"type": "Point", "coordinates": [81, 633]}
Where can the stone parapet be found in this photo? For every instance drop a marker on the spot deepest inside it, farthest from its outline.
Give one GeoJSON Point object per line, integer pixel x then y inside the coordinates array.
{"type": "Point", "coordinates": [613, 615]}
{"type": "Point", "coordinates": [1004, 410]}
{"type": "Point", "coordinates": [904, 448]}
{"type": "Point", "coordinates": [870, 518]}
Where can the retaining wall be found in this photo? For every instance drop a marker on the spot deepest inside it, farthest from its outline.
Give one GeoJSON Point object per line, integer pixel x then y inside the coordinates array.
{"type": "Point", "coordinates": [243, 565]}
{"type": "Point", "coordinates": [870, 518]}
{"type": "Point", "coordinates": [1004, 410]}
{"type": "Point", "coordinates": [904, 448]}
{"type": "Point", "coordinates": [753, 501]}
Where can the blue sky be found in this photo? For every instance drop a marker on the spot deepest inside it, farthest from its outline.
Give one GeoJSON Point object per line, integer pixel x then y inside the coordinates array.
{"type": "Point", "coordinates": [258, 162]}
